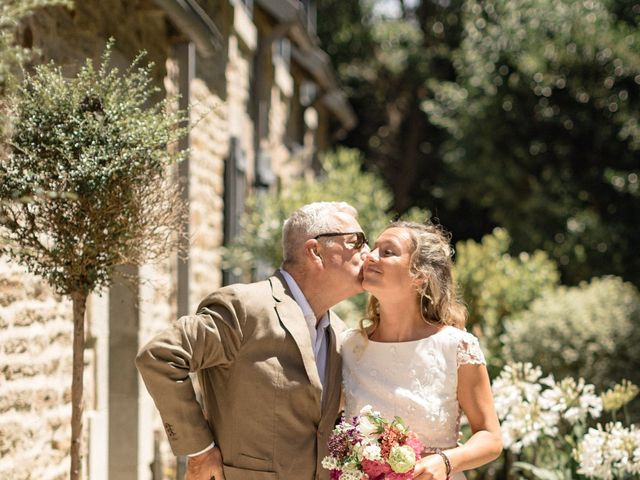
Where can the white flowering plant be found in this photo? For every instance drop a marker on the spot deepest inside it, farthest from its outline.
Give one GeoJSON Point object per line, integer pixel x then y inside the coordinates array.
{"type": "Point", "coordinates": [550, 428]}
{"type": "Point", "coordinates": [371, 447]}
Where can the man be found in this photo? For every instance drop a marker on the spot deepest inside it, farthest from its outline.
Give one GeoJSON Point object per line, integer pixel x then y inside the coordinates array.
{"type": "Point", "coordinates": [267, 358]}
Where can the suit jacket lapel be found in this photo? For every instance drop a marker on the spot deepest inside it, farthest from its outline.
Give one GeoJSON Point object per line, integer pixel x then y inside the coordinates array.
{"type": "Point", "coordinates": [291, 317]}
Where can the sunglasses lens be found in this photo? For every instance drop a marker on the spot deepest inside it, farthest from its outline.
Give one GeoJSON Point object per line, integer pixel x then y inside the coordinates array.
{"type": "Point", "coordinates": [358, 243]}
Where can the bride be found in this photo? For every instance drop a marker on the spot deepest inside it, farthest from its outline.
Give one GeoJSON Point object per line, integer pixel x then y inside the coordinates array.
{"type": "Point", "coordinates": [414, 359]}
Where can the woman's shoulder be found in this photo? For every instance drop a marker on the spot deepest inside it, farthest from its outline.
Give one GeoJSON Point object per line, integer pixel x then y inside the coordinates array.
{"type": "Point", "coordinates": [466, 344]}
{"type": "Point", "coordinates": [459, 334]}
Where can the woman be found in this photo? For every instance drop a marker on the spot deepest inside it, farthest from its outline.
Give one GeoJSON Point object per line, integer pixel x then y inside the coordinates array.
{"type": "Point", "coordinates": [415, 360]}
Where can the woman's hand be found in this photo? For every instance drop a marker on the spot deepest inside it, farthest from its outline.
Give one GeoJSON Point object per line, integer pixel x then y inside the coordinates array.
{"type": "Point", "coordinates": [431, 467]}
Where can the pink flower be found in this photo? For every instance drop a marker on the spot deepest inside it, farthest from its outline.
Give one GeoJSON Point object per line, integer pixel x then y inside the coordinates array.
{"type": "Point", "coordinates": [374, 469]}
{"type": "Point", "coordinates": [413, 442]}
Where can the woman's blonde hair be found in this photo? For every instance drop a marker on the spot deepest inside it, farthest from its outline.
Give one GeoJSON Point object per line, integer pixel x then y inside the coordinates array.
{"type": "Point", "coordinates": [431, 264]}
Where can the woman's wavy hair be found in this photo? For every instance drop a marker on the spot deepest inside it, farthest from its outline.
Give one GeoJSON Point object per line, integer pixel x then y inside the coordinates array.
{"type": "Point", "coordinates": [431, 264]}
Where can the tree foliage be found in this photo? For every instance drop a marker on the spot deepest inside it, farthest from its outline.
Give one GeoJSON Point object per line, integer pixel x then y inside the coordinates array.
{"type": "Point", "coordinates": [544, 128]}
{"type": "Point", "coordinates": [91, 158]}
{"type": "Point", "coordinates": [383, 62]}
{"type": "Point", "coordinates": [530, 118]}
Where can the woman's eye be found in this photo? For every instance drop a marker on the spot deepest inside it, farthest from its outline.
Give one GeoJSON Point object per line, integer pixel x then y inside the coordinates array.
{"type": "Point", "coordinates": [389, 252]}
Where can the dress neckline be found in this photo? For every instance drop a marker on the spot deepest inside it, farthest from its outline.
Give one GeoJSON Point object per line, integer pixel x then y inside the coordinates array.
{"type": "Point", "coordinates": [408, 342]}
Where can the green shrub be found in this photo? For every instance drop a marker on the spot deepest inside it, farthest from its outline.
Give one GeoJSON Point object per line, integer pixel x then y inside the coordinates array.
{"type": "Point", "coordinates": [495, 284]}
{"type": "Point", "coordinates": [590, 331]}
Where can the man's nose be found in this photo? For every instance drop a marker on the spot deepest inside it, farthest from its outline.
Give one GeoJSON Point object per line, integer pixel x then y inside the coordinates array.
{"type": "Point", "coordinates": [368, 254]}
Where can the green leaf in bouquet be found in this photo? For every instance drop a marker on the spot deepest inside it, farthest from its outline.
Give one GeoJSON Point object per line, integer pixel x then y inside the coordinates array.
{"type": "Point", "coordinates": [398, 422]}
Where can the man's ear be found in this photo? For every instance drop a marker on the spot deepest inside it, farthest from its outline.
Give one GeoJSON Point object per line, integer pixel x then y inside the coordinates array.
{"type": "Point", "coordinates": [311, 251]}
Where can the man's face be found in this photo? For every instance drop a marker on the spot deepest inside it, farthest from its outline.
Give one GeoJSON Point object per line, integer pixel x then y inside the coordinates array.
{"type": "Point", "coordinates": [342, 259]}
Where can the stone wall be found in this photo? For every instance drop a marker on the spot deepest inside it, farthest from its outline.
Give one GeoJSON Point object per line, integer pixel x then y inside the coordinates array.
{"type": "Point", "coordinates": [157, 308]}
{"type": "Point", "coordinates": [69, 37]}
{"type": "Point", "coordinates": [209, 143]}
{"type": "Point", "coordinates": [35, 377]}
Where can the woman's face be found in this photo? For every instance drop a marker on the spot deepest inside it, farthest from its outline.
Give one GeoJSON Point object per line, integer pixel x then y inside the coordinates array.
{"type": "Point", "coordinates": [386, 267]}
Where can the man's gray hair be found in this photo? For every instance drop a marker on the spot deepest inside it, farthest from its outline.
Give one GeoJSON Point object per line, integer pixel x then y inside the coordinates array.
{"type": "Point", "coordinates": [307, 222]}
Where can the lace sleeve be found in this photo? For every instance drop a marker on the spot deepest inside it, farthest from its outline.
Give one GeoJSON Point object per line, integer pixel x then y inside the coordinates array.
{"type": "Point", "coordinates": [469, 351]}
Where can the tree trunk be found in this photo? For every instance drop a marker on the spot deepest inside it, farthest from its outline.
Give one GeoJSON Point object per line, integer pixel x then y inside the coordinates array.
{"type": "Point", "coordinates": [79, 306]}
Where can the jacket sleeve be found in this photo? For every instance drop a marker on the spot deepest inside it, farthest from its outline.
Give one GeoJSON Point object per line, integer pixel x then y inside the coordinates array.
{"type": "Point", "coordinates": [211, 338]}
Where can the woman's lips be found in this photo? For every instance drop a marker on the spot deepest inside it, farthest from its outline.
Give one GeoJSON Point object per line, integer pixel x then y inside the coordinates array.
{"type": "Point", "coordinates": [372, 270]}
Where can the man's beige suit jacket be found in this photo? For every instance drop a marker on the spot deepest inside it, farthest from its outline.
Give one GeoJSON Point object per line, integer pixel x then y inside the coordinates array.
{"type": "Point", "coordinates": [263, 402]}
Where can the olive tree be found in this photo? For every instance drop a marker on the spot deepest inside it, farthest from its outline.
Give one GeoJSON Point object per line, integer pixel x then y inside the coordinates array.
{"type": "Point", "coordinates": [85, 188]}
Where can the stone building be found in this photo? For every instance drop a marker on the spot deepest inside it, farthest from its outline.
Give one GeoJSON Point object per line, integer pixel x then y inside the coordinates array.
{"type": "Point", "coordinates": [263, 101]}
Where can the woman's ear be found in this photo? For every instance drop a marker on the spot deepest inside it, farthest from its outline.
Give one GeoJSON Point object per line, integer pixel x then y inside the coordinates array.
{"type": "Point", "coordinates": [421, 282]}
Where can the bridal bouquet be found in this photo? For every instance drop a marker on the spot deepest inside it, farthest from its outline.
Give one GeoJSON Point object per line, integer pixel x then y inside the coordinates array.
{"type": "Point", "coordinates": [370, 447]}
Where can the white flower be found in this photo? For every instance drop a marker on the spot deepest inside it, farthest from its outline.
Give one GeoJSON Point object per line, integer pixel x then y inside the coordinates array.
{"type": "Point", "coordinates": [531, 407]}
{"type": "Point", "coordinates": [366, 427]}
{"type": "Point", "coordinates": [350, 472]}
{"type": "Point", "coordinates": [574, 401]}
{"type": "Point", "coordinates": [367, 410]}
{"type": "Point", "coordinates": [523, 412]}
{"type": "Point", "coordinates": [372, 452]}
{"type": "Point", "coordinates": [353, 475]}
{"type": "Point", "coordinates": [609, 452]}
{"type": "Point", "coordinates": [330, 463]}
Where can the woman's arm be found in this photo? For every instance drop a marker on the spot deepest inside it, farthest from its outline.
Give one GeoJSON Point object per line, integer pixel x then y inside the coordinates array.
{"type": "Point", "coordinates": [485, 445]}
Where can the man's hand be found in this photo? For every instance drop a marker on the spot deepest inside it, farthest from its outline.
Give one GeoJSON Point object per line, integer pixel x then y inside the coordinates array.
{"type": "Point", "coordinates": [206, 466]}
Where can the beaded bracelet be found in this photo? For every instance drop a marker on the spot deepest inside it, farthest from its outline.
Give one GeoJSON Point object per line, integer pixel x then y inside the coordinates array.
{"type": "Point", "coordinates": [447, 463]}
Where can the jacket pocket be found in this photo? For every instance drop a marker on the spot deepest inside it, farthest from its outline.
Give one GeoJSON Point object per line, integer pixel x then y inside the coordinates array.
{"type": "Point", "coordinates": [234, 473]}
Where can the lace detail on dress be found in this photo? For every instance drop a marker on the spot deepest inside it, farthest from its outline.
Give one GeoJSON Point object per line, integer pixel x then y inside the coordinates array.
{"type": "Point", "coordinates": [469, 352]}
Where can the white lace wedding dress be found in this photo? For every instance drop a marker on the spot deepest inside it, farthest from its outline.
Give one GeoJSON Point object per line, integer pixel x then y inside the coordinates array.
{"type": "Point", "coordinates": [416, 381]}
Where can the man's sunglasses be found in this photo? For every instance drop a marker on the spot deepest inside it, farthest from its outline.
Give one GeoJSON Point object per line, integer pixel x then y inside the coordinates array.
{"type": "Point", "coordinates": [360, 240]}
